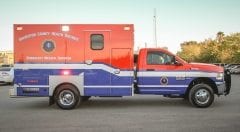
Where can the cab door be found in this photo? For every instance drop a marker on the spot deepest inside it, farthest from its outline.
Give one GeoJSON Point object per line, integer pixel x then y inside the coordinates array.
{"type": "Point", "coordinates": [161, 75]}
{"type": "Point", "coordinates": [97, 57]}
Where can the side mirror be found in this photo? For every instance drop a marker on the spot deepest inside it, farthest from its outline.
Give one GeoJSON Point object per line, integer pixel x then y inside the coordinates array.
{"type": "Point", "coordinates": [176, 62]}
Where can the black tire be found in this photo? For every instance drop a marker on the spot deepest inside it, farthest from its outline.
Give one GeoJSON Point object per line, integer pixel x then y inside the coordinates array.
{"type": "Point", "coordinates": [11, 83]}
{"type": "Point", "coordinates": [201, 95]}
{"type": "Point", "coordinates": [85, 98]}
{"type": "Point", "coordinates": [67, 96]}
{"type": "Point", "coordinates": [185, 97]}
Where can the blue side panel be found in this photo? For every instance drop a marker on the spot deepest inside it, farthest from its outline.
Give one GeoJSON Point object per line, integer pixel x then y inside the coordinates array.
{"type": "Point", "coordinates": [96, 77]}
{"type": "Point", "coordinates": [24, 91]}
{"type": "Point", "coordinates": [97, 91]}
{"type": "Point", "coordinates": [107, 91]}
{"type": "Point", "coordinates": [152, 85]}
{"type": "Point", "coordinates": [156, 81]}
{"type": "Point", "coordinates": [173, 86]}
{"type": "Point", "coordinates": [121, 91]}
{"type": "Point", "coordinates": [31, 77]}
{"type": "Point", "coordinates": [121, 81]}
{"type": "Point", "coordinates": [117, 80]}
{"type": "Point", "coordinates": [163, 91]}
{"type": "Point", "coordinates": [92, 77]}
{"type": "Point", "coordinates": [105, 80]}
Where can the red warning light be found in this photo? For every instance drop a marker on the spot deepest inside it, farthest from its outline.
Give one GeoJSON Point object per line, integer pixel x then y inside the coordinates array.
{"type": "Point", "coordinates": [66, 72]}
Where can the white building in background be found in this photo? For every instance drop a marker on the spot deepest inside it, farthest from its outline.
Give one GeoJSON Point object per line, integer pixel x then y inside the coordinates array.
{"type": "Point", "coordinates": [6, 57]}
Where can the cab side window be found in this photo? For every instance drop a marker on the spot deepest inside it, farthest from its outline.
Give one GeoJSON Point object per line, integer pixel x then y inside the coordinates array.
{"type": "Point", "coordinates": [159, 58]}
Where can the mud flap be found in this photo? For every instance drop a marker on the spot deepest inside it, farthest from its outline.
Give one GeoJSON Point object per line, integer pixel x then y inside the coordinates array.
{"type": "Point", "coordinates": [227, 79]}
{"type": "Point", "coordinates": [51, 101]}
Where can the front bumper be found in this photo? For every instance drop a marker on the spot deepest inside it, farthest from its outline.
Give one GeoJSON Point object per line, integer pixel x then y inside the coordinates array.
{"type": "Point", "coordinates": [13, 91]}
{"type": "Point", "coordinates": [6, 79]}
{"type": "Point", "coordinates": [227, 79]}
{"type": "Point", "coordinates": [225, 86]}
{"type": "Point", "coordinates": [221, 88]}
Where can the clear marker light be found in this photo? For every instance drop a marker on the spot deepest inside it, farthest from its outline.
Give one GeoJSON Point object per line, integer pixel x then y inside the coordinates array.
{"type": "Point", "coordinates": [65, 28]}
{"type": "Point", "coordinates": [19, 28]}
{"type": "Point", "coordinates": [126, 28]}
{"type": "Point", "coordinates": [219, 76]}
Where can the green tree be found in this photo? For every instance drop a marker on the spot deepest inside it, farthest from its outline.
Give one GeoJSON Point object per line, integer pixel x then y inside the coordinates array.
{"type": "Point", "coordinates": [224, 49]}
{"type": "Point", "coordinates": [190, 50]}
{"type": "Point", "coordinates": [209, 53]}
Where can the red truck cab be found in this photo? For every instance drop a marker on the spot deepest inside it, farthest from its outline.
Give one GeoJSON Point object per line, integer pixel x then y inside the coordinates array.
{"type": "Point", "coordinates": [161, 72]}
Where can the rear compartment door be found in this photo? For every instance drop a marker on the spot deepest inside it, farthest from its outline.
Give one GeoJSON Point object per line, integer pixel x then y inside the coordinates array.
{"type": "Point", "coordinates": [97, 60]}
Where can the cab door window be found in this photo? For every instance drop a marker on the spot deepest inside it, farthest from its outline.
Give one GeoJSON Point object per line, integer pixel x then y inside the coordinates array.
{"type": "Point", "coordinates": [159, 58]}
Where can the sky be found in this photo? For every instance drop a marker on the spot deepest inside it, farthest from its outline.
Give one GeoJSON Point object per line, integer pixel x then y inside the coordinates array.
{"type": "Point", "coordinates": [177, 20]}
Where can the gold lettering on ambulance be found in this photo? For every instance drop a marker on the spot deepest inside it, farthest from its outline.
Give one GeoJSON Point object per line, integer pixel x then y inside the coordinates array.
{"type": "Point", "coordinates": [64, 58]}
{"type": "Point", "coordinates": [71, 37]}
{"type": "Point", "coordinates": [34, 58]}
{"type": "Point", "coordinates": [50, 58]}
{"type": "Point", "coordinates": [57, 34]}
{"type": "Point", "coordinates": [28, 36]}
{"type": "Point", "coordinates": [43, 33]}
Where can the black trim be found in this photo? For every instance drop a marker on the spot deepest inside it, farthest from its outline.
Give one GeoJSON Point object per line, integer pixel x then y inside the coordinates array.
{"type": "Point", "coordinates": [227, 79]}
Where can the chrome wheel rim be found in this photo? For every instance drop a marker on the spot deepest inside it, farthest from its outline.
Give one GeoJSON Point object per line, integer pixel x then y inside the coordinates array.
{"type": "Point", "coordinates": [202, 96]}
{"type": "Point", "coordinates": [66, 97]}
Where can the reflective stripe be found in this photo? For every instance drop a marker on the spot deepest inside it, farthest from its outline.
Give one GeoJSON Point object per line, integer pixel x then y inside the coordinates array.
{"type": "Point", "coordinates": [167, 90]}
{"type": "Point", "coordinates": [174, 86]}
{"type": "Point", "coordinates": [176, 74]}
{"type": "Point", "coordinates": [101, 86]}
{"type": "Point", "coordinates": [33, 86]}
{"type": "Point", "coordinates": [89, 86]}
{"type": "Point", "coordinates": [219, 83]}
{"type": "Point", "coordinates": [73, 66]}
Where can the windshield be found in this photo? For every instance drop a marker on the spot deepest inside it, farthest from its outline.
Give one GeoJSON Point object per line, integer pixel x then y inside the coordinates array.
{"type": "Point", "coordinates": [182, 60]}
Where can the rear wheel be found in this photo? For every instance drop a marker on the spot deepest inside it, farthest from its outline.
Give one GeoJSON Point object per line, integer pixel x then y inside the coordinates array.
{"type": "Point", "coordinates": [67, 96]}
{"type": "Point", "coordinates": [201, 95]}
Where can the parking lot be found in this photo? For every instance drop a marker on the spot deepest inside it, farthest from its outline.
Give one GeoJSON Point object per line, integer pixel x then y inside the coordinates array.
{"type": "Point", "coordinates": [135, 114]}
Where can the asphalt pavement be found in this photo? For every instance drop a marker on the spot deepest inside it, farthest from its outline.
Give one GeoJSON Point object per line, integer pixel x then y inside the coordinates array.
{"type": "Point", "coordinates": [141, 113]}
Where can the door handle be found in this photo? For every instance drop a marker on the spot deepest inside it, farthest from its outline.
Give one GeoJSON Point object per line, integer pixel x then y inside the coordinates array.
{"type": "Point", "coordinates": [150, 70]}
{"type": "Point", "coordinates": [116, 71]}
{"type": "Point", "coordinates": [88, 62]}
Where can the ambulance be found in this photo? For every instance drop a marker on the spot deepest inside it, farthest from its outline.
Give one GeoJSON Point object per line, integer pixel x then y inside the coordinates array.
{"type": "Point", "coordinates": [69, 63]}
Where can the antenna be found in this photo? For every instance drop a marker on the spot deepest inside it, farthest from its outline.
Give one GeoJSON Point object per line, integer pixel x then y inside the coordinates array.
{"type": "Point", "coordinates": [155, 28]}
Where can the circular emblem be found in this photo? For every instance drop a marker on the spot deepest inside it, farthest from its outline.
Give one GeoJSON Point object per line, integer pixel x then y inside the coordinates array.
{"type": "Point", "coordinates": [164, 80]}
{"type": "Point", "coordinates": [48, 46]}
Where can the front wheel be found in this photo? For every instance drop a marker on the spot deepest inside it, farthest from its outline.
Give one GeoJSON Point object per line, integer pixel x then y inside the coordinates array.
{"type": "Point", "coordinates": [67, 97]}
{"type": "Point", "coordinates": [201, 95]}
